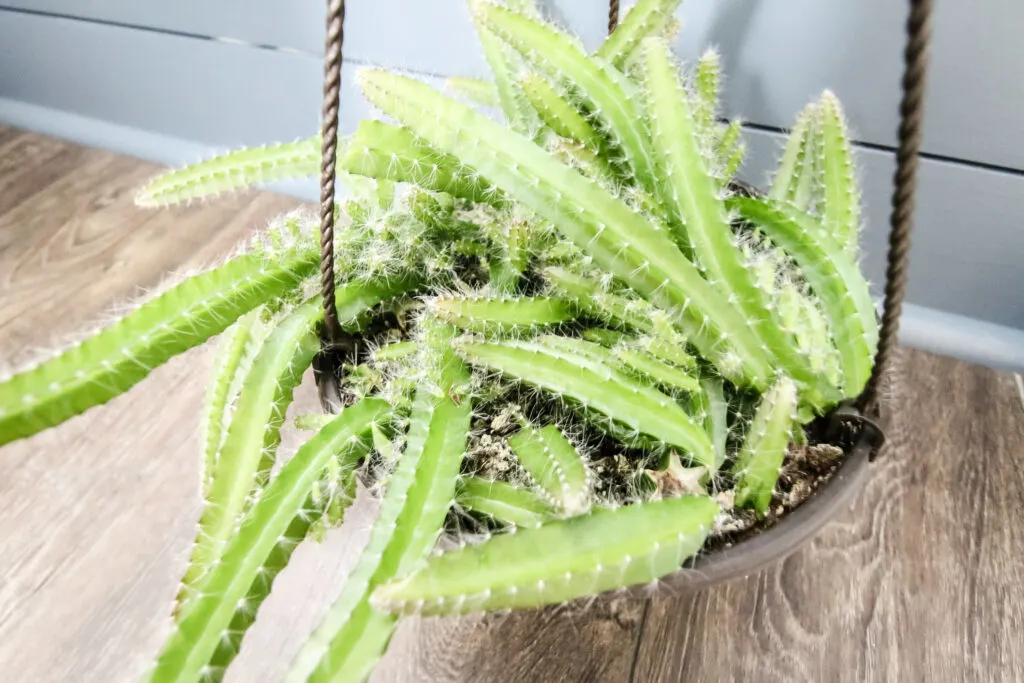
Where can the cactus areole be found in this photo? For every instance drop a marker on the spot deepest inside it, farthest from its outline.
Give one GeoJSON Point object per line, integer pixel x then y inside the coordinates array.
{"type": "Point", "coordinates": [581, 352]}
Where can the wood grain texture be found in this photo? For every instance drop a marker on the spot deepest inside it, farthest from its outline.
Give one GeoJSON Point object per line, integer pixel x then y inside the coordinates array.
{"type": "Point", "coordinates": [919, 581]}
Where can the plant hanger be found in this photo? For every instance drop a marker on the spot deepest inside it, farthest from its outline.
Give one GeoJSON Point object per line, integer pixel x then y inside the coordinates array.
{"type": "Point", "coordinates": [861, 413]}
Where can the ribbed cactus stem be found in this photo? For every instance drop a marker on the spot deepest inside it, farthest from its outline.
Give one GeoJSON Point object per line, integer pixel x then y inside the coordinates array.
{"type": "Point", "coordinates": [554, 463]}
{"type": "Point", "coordinates": [764, 448]}
{"type": "Point", "coordinates": [512, 314]}
{"type": "Point", "coordinates": [558, 561]}
{"type": "Point", "coordinates": [504, 502]}
{"type": "Point", "coordinates": [645, 18]}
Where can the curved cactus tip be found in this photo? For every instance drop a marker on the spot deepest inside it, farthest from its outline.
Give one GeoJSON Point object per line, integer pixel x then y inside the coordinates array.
{"type": "Point", "coordinates": [765, 445]}
{"type": "Point", "coordinates": [555, 465]}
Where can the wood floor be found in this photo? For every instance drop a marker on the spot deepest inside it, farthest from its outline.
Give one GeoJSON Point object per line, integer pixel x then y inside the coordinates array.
{"type": "Point", "coordinates": [922, 580]}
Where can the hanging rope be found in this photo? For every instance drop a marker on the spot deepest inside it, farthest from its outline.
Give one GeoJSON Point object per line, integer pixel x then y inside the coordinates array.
{"type": "Point", "coordinates": [613, 15]}
{"type": "Point", "coordinates": [328, 160]}
{"type": "Point", "coordinates": [905, 184]}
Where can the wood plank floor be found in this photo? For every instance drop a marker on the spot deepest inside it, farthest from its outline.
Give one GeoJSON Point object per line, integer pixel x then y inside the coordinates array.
{"type": "Point", "coordinates": [922, 580]}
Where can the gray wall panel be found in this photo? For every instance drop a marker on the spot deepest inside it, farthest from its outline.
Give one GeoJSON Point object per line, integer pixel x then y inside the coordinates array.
{"type": "Point", "coordinates": [778, 54]}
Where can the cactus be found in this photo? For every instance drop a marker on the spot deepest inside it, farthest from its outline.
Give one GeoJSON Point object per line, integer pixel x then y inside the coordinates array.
{"type": "Point", "coordinates": [504, 502]}
{"type": "Point", "coordinates": [516, 299]}
{"type": "Point", "coordinates": [109, 363]}
{"type": "Point", "coordinates": [558, 561]}
{"type": "Point", "coordinates": [474, 89]}
{"type": "Point", "coordinates": [235, 170]}
{"type": "Point", "coordinates": [198, 648]}
{"type": "Point", "coordinates": [757, 467]}
{"type": "Point", "coordinates": [556, 466]}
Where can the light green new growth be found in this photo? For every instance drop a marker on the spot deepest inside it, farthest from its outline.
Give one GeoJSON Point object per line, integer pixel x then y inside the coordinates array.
{"type": "Point", "coordinates": [233, 171]}
{"type": "Point", "coordinates": [109, 363]}
{"type": "Point", "coordinates": [504, 502]}
{"type": "Point", "coordinates": [841, 202]}
{"type": "Point", "coordinates": [394, 351]}
{"type": "Point", "coordinates": [558, 114]}
{"type": "Point", "coordinates": [730, 152]}
{"type": "Point", "coordinates": [757, 467]}
{"type": "Point", "coordinates": [596, 386]}
{"type": "Point", "coordinates": [696, 197]}
{"type": "Point", "coordinates": [620, 240]}
{"type": "Point", "coordinates": [832, 276]}
{"type": "Point", "coordinates": [708, 75]}
{"type": "Point", "coordinates": [795, 178]}
{"type": "Point", "coordinates": [313, 421]}
{"type": "Point", "coordinates": [555, 465]}
{"type": "Point", "coordinates": [715, 409]}
{"type": "Point", "coordinates": [474, 89]}
{"type": "Point", "coordinates": [557, 562]}
{"type": "Point", "coordinates": [589, 296]}
{"type": "Point", "coordinates": [235, 353]}
{"type": "Point", "coordinates": [489, 314]}
{"type": "Point", "coordinates": [353, 635]}
{"type": "Point", "coordinates": [555, 53]}
{"type": "Point", "coordinates": [382, 151]}
{"type": "Point", "coordinates": [249, 448]}
{"type": "Point", "coordinates": [645, 18]}
{"type": "Point", "coordinates": [603, 336]}
{"type": "Point", "coordinates": [209, 632]}
{"type": "Point", "coordinates": [669, 377]}
{"type": "Point", "coordinates": [667, 351]}
{"type": "Point", "coordinates": [504, 64]}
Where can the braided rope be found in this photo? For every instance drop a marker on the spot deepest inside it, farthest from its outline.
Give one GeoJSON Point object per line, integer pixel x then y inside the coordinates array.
{"type": "Point", "coordinates": [905, 184]}
{"type": "Point", "coordinates": [613, 15]}
{"type": "Point", "coordinates": [328, 160]}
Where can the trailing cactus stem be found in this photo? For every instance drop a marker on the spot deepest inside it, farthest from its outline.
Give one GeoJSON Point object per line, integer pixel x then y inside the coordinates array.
{"type": "Point", "coordinates": [111, 362]}
{"type": "Point", "coordinates": [475, 89]}
{"type": "Point", "coordinates": [730, 152]}
{"type": "Point", "coordinates": [504, 64]}
{"type": "Point", "coordinates": [764, 448]}
{"type": "Point", "coordinates": [483, 314]}
{"type": "Point", "coordinates": [394, 351]}
{"type": "Point", "coordinates": [233, 171]}
{"type": "Point", "coordinates": [504, 502]}
{"type": "Point", "coordinates": [623, 242]}
{"type": "Point", "coordinates": [251, 443]}
{"type": "Point", "coordinates": [842, 203]}
{"type": "Point", "coordinates": [593, 383]}
{"type": "Point", "coordinates": [235, 353]}
{"type": "Point", "coordinates": [556, 466]}
{"type": "Point", "coordinates": [353, 636]}
{"type": "Point", "coordinates": [831, 274]}
{"type": "Point", "coordinates": [707, 225]}
{"type": "Point", "coordinates": [558, 561]}
{"type": "Point", "coordinates": [792, 182]}
{"type": "Point", "coordinates": [715, 409]}
{"type": "Point", "coordinates": [667, 351]}
{"type": "Point", "coordinates": [208, 634]}
{"type": "Point", "coordinates": [645, 18]}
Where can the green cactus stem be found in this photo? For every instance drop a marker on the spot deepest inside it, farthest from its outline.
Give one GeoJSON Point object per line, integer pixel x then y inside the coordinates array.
{"type": "Point", "coordinates": [842, 201]}
{"type": "Point", "coordinates": [112, 361]}
{"type": "Point", "coordinates": [504, 502]}
{"type": "Point", "coordinates": [706, 107]}
{"type": "Point", "coordinates": [764, 448]}
{"type": "Point", "coordinates": [247, 454]}
{"type": "Point", "coordinates": [558, 561]}
{"type": "Point", "coordinates": [380, 150]}
{"type": "Point", "coordinates": [659, 372]}
{"type": "Point", "coordinates": [394, 351]}
{"type": "Point", "coordinates": [353, 635]}
{"type": "Point", "coordinates": [645, 18]}
{"type": "Point", "coordinates": [208, 634]}
{"type": "Point", "coordinates": [833, 277]}
{"type": "Point", "coordinates": [796, 178]}
{"type": "Point", "coordinates": [596, 386]}
{"type": "Point", "coordinates": [233, 171]}
{"type": "Point", "coordinates": [603, 336]}
{"type": "Point", "coordinates": [592, 298]}
{"type": "Point", "coordinates": [555, 465]}
{"type": "Point", "coordinates": [235, 353]}
{"type": "Point", "coordinates": [474, 89]}
{"type": "Point", "coordinates": [489, 314]}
